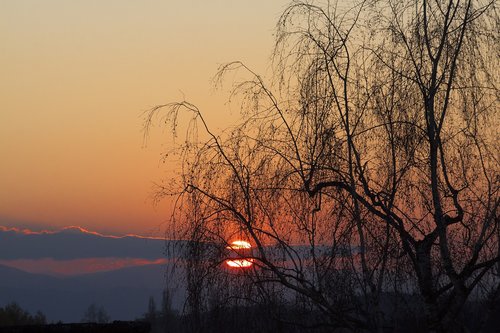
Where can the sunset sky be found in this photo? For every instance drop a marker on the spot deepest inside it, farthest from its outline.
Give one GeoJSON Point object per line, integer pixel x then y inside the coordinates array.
{"type": "Point", "coordinates": [75, 79]}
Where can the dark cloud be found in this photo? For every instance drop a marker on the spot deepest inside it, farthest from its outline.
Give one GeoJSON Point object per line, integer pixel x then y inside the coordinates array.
{"type": "Point", "coordinates": [75, 243]}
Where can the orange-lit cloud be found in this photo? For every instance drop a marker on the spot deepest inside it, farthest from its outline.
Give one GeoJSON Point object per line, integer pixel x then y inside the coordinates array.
{"type": "Point", "coordinates": [77, 266]}
{"type": "Point", "coordinates": [79, 262]}
{"type": "Point", "coordinates": [26, 231]}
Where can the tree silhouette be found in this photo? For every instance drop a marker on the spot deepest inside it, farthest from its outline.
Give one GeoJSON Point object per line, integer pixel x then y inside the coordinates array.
{"type": "Point", "coordinates": [374, 147]}
{"type": "Point", "coordinates": [152, 313]}
{"type": "Point", "coordinates": [12, 314]}
{"type": "Point", "coordinates": [95, 314]}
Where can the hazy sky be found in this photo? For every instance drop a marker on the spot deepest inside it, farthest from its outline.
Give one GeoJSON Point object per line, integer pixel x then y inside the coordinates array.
{"type": "Point", "coordinates": [75, 77]}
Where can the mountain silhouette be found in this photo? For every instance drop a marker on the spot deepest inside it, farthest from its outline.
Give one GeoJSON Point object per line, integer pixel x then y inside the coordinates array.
{"type": "Point", "coordinates": [124, 293]}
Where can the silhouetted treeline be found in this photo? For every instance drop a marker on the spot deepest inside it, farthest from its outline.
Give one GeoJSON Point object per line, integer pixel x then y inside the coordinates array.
{"type": "Point", "coordinates": [95, 314]}
{"type": "Point", "coordinates": [288, 318]}
{"type": "Point", "coordinates": [12, 314]}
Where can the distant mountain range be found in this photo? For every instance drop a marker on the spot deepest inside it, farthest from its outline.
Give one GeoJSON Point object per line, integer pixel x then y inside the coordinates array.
{"type": "Point", "coordinates": [124, 293]}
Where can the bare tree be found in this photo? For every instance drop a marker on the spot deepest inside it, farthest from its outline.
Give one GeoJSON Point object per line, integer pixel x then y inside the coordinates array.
{"type": "Point", "coordinates": [375, 148]}
{"type": "Point", "coordinates": [95, 314]}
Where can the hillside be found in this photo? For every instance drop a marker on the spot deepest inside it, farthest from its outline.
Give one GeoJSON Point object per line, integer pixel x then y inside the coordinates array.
{"type": "Point", "coordinates": [124, 293]}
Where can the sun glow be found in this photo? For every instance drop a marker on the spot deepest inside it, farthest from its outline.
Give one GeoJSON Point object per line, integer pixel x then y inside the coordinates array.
{"type": "Point", "coordinates": [239, 244]}
{"type": "Point", "coordinates": [238, 252]}
{"type": "Point", "coordinates": [239, 263]}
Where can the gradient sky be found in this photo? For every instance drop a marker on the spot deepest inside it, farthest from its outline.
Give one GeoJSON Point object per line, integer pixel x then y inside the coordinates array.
{"type": "Point", "coordinates": [75, 78]}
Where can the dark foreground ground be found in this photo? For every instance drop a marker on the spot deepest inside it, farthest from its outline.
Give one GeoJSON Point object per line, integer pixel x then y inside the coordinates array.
{"type": "Point", "coordinates": [115, 327]}
{"type": "Point", "coordinates": [262, 319]}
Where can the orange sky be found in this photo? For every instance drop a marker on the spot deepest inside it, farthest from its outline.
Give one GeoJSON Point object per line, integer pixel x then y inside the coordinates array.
{"type": "Point", "coordinates": [74, 81]}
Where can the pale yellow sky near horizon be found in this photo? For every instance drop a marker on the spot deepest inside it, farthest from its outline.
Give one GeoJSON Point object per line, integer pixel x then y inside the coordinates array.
{"type": "Point", "coordinates": [75, 78]}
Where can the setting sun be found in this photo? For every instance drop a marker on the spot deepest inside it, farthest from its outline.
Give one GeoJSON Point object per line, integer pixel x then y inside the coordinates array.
{"type": "Point", "coordinates": [239, 244]}
{"type": "Point", "coordinates": [239, 250]}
